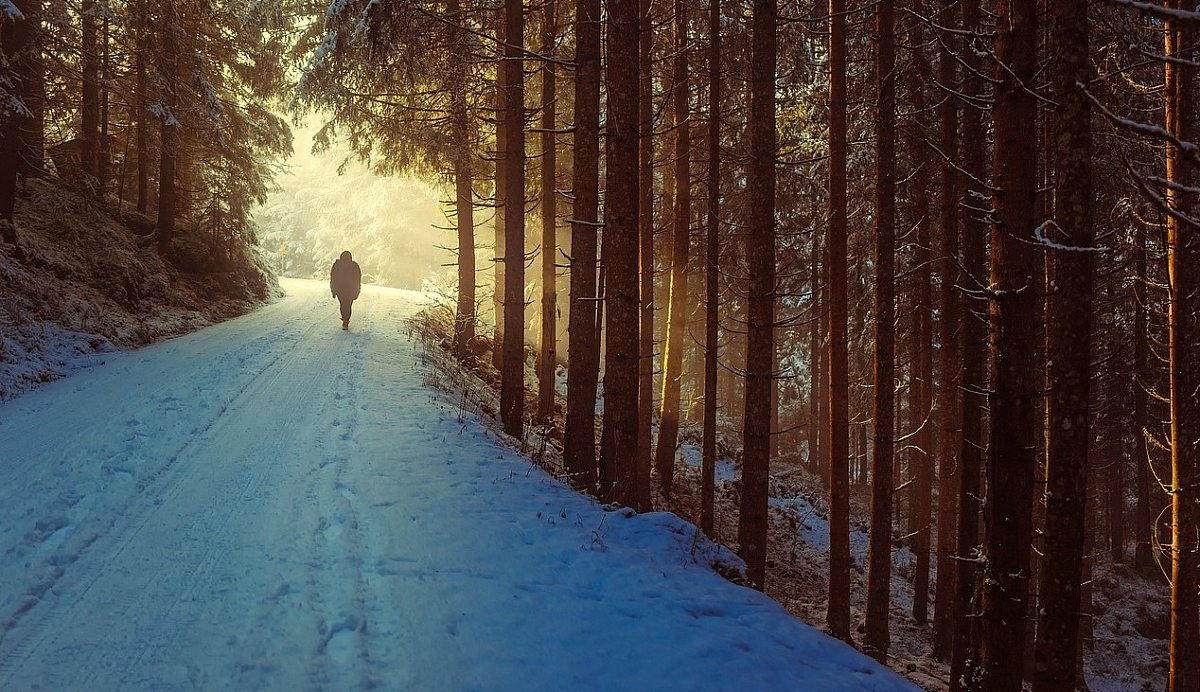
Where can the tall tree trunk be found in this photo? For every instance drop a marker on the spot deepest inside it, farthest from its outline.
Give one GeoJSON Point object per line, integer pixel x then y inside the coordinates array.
{"type": "Point", "coordinates": [668, 417]}
{"type": "Point", "coordinates": [89, 152]}
{"type": "Point", "coordinates": [760, 259]}
{"type": "Point", "coordinates": [618, 476]}
{"type": "Point", "coordinates": [922, 456]}
{"type": "Point", "coordinates": [879, 558]}
{"type": "Point", "coordinates": [141, 47]}
{"type": "Point", "coordinates": [815, 324]}
{"type": "Point", "coordinates": [972, 441]}
{"type": "Point", "coordinates": [1143, 556]}
{"type": "Point", "coordinates": [712, 262]}
{"type": "Point", "coordinates": [512, 375]}
{"type": "Point", "coordinates": [1013, 317]}
{"type": "Point", "coordinates": [168, 149]}
{"type": "Point", "coordinates": [1115, 487]}
{"type": "Point", "coordinates": [645, 250]}
{"type": "Point", "coordinates": [464, 314]}
{"type": "Point", "coordinates": [103, 149]}
{"type": "Point", "coordinates": [1183, 272]}
{"type": "Point", "coordinates": [838, 614]}
{"type": "Point", "coordinates": [947, 402]}
{"type": "Point", "coordinates": [583, 336]}
{"type": "Point", "coordinates": [548, 353]}
{"type": "Point", "coordinates": [1068, 341]}
{"type": "Point", "coordinates": [501, 114]}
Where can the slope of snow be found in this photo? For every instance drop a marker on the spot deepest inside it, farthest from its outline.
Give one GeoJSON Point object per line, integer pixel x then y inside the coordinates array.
{"type": "Point", "coordinates": [88, 282]}
{"type": "Point", "coordinates": [274, 503]}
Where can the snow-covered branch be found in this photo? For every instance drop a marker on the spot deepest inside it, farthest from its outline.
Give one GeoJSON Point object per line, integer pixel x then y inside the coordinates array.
{"type": "Point", "coordinates": [1160, 11]}
{"type": "Point", "coordinates": [1039, 234]}
{"type": "Point", "coordinates": [1154, 131]}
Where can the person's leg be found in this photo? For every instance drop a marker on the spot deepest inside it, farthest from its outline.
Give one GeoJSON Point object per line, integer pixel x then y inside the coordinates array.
{"type": "Point", "coordinates": [345, 307]}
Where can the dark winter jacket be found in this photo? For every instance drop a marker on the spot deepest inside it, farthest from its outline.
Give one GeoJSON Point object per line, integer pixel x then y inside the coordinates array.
{"type": "Point", "coordinates": [345, 278]}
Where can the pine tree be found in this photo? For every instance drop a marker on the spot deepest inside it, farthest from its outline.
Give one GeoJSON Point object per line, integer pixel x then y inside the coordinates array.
{"type": "Point", "coordinates": [618, 482]}
{"type": "Point", "coordinates": [970, 450]}
{"type": "Point", "coordinates": [838, 417]}
{"type": "Point", "coordinates": [1183, 272]}
{"type": "Point", "coordinates": [947, 397]}
{"type": "Point", "coordinates": [1068, 340]}
{"type": "Point", "coordinates": [712, 267]}
{"type": "Point", "coordinates": [879, 560]}
{"type": "Point", "coordinates": [1013, 316]}
{"type": "Point", "coordinates": [583, 348]}
{"type": "Point", "coordinates": [548, 353]}
{"type": "Point", "coordinates": [677, 310]}
{"type": "Point", "coordinates": [760, 258]}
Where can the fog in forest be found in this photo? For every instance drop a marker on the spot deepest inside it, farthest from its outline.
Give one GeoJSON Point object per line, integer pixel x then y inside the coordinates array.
{"type": "Point", "coordinates": [330, 201]}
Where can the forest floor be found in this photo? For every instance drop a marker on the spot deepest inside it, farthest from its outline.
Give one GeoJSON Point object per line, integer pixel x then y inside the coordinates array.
{"type": "Point", "coordinates": [273, 503]}
{"type": "Point", "coordinates": [1127, 651]}
{"type": "Point", "coordinates": [92, 282]}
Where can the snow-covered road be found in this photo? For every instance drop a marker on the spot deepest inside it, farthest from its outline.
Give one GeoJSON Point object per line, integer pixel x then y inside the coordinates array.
{"type": "Point", "coordinates": [272, 503]}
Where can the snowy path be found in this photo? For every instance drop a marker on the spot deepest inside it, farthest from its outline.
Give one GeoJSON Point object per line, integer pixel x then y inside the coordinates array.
{"type": "Point", "coordinates": [274, 503]}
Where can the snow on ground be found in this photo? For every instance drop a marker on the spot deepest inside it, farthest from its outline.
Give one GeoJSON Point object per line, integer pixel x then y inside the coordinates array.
{"type": "Point", "coordinates": [274, 503]}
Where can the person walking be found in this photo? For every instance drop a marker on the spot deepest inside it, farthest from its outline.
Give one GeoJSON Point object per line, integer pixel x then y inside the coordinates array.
{"type": "Point", "coordinates": [345, 283]}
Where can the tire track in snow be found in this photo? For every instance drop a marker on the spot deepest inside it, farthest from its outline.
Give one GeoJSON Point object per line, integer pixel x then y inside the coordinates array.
{"type": "Point", "coordinates": [163, 488]}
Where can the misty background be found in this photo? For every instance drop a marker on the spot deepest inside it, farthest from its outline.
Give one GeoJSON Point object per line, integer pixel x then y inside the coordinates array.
{"type": "Point", "coordinates": [330, 201]}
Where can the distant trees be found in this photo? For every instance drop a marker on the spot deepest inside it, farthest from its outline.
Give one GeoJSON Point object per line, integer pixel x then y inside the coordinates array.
{"type": "Point", "coordinates": [16, 35]}
{"type": "Point", "coordinates": [84, 81]}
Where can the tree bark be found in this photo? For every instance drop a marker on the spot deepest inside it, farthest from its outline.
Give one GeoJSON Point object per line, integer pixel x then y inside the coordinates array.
{"type": "Point", "coordinates": [141, 46]}
{"type": "Point", "coordinates": [922, 453]}
{"type": "Point", "coordinates": [1183, 272]}
{"type": "Point", "coordinates": [169, 137]}
{"type": "Point", "coordinates": [972, 442]}
{"type": "Point", "coordinates": [464, 314]}
{"type": "Point", "coordinates": [103, 149]}
{"type": "Point", "coordinates": [668, 417]}
{"type": "Point", "coordinates": [512, 375]}
{"type": "Point", "coordinates": [617, 466]}
{"type": "Point", "coordinates": [879, 558]}
{"type": "Point", "coordinates": [583, 346]}
{"type": "Point", "coordinates": [1013, 323]}
{"type": "Point", "coordinates": [712, 262]}
{"type": "Point", "coordinates": [760, 258]}
{"type": "Point", "coordinates": [501, 115]}
{"type": "Point", "coordinates": [838, 417]}
{"type": "Point", "coordinates": [1143, 556]}
{"type": "Point", "coordinates": [815, 391]}
{"type": "Point", "coordinates": [548, 353]}
{"type": "Point", "coordinates": [947, 400]}
{"type": "Point", "coordinates": [89, 152]}
{"type": "Point", "coordinates": [1068, 340]}
{"type": "Point", "coordinates": [646, 251]}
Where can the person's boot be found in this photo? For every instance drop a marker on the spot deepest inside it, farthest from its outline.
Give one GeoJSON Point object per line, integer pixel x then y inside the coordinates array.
{"type": "Point", "coordinates": [345, 325]}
